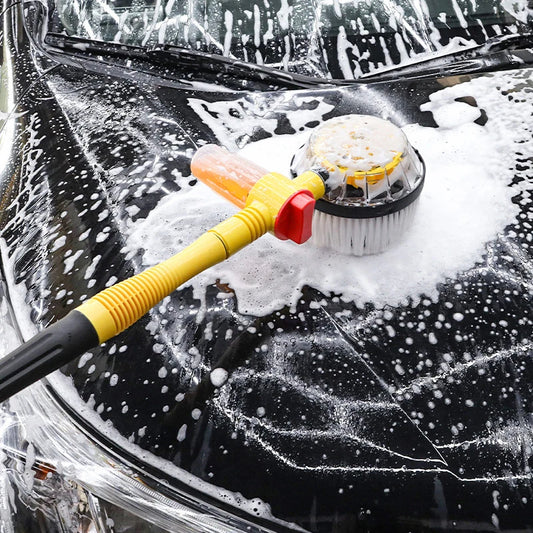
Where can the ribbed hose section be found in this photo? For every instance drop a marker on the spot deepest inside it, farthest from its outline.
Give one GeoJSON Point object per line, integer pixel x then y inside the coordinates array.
{"type": "Point", "coordinates": [244, 227]}
{"type": "Point", "coordinates": [254, 220]}
{"type": "Point", "coordinates": [131, 299]}
{"type": "Point", "coordinates": [117, 308]}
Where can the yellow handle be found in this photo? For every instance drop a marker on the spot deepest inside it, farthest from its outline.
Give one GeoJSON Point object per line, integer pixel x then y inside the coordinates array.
{"type": "Point", "coordinates": [118, 307]}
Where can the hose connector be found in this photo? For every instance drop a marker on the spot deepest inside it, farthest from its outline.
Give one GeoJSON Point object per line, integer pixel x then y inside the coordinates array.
{"type": "Point", "coordinates": [290, 202]}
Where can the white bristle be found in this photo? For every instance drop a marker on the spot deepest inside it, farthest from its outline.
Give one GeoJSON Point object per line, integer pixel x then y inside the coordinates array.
{"type": "Point", "coordinates": [361, 236]}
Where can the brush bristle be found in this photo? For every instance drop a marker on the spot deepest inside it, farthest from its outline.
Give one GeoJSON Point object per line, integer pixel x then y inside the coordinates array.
{"type": "Point", "coordinates": [361, 236]}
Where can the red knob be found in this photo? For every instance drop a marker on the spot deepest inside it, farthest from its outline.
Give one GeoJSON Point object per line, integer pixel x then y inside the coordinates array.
{"type": "Point", "coordinates": [295, 218]}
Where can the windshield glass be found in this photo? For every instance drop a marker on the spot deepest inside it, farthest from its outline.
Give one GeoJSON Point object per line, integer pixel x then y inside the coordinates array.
{"type": "Point", "coordinates": [322, 38]}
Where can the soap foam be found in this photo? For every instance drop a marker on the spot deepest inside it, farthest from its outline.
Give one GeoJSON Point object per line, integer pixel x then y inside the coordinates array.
{"type": "Point", "coordinates": [465, 203]}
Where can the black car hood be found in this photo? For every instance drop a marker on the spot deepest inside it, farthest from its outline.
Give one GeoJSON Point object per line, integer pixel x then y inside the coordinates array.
{"type": "Point", "coordinates": [314, 420]}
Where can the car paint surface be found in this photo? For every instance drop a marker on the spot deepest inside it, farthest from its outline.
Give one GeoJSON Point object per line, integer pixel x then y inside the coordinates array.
{"type": "Point", "coordinates": [86, 154]}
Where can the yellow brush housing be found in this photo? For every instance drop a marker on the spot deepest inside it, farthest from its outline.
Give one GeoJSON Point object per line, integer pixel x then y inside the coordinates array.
{"type": "Point", "coordinates": [371, 176]}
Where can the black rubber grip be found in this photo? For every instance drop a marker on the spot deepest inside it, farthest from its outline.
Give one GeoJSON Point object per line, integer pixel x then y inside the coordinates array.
{"type": "Point", "coordinates": [50, 349]}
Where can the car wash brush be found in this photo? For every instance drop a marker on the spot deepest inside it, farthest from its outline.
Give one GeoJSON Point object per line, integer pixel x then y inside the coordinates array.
{"type": "Point", "coordinates": [268, 201]}
{"type": "Point", "coordinates": [365, 181]}
{"type": "Point", "coordinates": [375, 178]}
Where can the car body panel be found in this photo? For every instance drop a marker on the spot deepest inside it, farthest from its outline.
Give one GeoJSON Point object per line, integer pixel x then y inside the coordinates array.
{"type": "Point", "coordinates": [88, 154]}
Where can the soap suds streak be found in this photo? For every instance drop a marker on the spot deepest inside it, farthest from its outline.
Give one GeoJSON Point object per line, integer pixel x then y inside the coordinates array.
{"type": "Point", "coordinates": [338, 431]}
{"type": "Point", "coordinates": [303, 38]}
{"type": "Point", "coordinates": [384, 471]}
{"type": "Point", "coordinates": [460, 368]}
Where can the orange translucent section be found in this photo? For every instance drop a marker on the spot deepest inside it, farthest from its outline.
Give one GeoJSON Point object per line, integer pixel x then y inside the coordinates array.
{"type": "Point", "coordinates": [227, 173]}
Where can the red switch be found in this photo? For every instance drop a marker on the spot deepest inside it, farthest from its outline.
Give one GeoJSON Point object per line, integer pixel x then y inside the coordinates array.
{"type": "Point", "coordinates": [295, 218]}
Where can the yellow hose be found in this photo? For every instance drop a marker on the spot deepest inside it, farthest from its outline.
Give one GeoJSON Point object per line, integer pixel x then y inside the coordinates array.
{"type": "Point", "coordinates": [115, 309]}
{"type": "Point", "coordinates": [272, 203]}
{"type": "Point", "coordinates": [118, 307]}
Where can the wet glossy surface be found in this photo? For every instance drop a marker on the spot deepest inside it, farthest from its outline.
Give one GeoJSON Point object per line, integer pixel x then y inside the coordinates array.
{"type": "Point", "coordinates": [326, 39]}
{"type": "Point", "coordinates": [336, 415]}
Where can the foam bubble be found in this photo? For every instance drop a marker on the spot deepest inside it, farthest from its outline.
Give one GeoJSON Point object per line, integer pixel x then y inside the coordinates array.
{"type": "Point", "coordinates": [218, 377]}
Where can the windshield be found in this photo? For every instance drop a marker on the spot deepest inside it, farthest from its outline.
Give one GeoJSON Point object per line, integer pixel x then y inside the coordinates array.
{"type": "Point", "coordinates": [323, 38]}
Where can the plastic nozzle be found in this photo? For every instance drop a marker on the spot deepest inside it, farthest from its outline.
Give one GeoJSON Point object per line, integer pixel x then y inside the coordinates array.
{"type": "Point", "coordinates": [290, 202]}
{"type": "Point", "coordinates": [227, 173]}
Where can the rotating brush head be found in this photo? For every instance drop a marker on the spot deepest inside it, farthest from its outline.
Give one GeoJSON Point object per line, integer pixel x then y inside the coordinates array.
{"type": "Point", "coordinates": [374, 178]}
